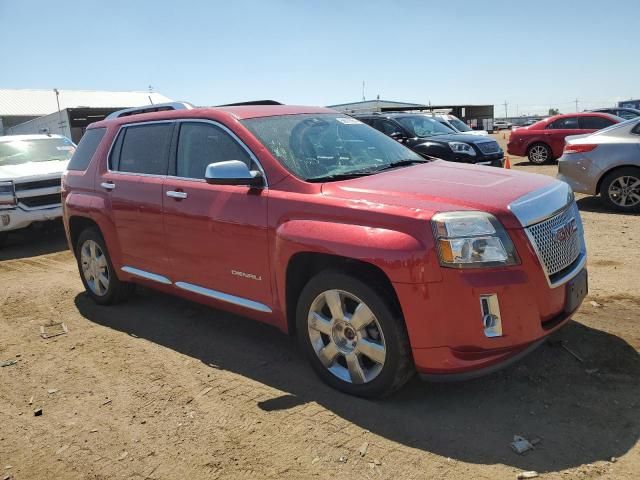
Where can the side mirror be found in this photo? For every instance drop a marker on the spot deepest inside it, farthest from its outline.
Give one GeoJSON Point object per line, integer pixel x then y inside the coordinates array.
{"type": "Point", "coordinates": [233, 172]}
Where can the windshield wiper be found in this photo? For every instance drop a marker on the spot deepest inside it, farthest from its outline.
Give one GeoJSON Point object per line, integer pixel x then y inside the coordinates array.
{"type": "Point", "coordinates": [341, 176]}
{"type": "Point", "coordinates": [402, 163]}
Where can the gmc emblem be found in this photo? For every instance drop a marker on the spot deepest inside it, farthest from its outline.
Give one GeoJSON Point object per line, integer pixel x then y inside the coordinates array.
{"type": "Point", "coordinates": [566, 231]}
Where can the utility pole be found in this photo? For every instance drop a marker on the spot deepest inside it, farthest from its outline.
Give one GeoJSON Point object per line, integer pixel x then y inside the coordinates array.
{"type": "Point", "coordinates": [505, 109]}
{"type": "Point", "coordinates": [576, 105]}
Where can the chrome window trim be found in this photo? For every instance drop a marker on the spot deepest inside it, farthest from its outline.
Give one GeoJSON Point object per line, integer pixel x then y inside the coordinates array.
{"type": "Point", "coordinates": [115, 138]}
{"type": "Point", "coordinates": [224, 297]}
{"type": "Point", "coordinates": [232, 135]}
{"type": "Point", "coordinates": [147, 275]}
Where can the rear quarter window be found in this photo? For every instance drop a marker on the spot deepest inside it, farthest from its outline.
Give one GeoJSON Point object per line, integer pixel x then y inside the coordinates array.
{"type": "Point", "coordinates": [86, 149]}
{"type": "Point", "coordinates": [595, 123]}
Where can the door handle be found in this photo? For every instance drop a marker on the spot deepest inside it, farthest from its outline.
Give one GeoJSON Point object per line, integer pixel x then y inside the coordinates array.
{"type": "Point", "coordinates": [177, 195]}
{"type": "Point", "coordinates": [108, 185]}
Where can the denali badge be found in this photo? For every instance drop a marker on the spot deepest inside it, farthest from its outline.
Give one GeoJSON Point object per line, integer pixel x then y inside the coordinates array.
{"type": "Point", "coordinates": [250, 276]}
{"type": "Point", "coordinates": [566, 231]}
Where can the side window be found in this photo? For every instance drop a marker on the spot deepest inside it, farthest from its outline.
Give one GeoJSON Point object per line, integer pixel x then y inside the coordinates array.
{"type": "Point", "coordinates": [564, 123]}
{"type": "Point", "coordinates": [594, 123]}
{"type": "Point", "coordinates": [636, 129]}
{"type": "Point", "coordinates": [387, 127]}
{"type": "Point", "coordinates": [626, 114]}
{"type": "Point", "coordinates": [86, 148]}
{"type": "Point", "coordinates": [200, 144]}
{"type": "Point", "coordinates": [145, 149]}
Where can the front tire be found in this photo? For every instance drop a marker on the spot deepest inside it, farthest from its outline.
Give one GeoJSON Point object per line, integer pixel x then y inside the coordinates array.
{"type": "Point", "coordinates": [355, 340]}
{"type": "Point", "coordinates": [539, 153]}
{"type": "Point", "coordinates": [620, 190]}
{"type": "Point", "coordinates": [97, 272]}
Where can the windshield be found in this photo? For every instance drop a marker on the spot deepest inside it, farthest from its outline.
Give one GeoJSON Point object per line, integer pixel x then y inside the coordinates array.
{"type": "Point", "coordinates": [15, 152]}
{"type": "Point", "coordinates": [459, 125]}
{"type": "Point", "coordinates": [321, 146]}
{"type": "Point", "coordinates": [421, 126]}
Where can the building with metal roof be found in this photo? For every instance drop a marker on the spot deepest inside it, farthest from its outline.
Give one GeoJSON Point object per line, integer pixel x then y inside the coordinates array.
{"type": "Point", "coordinates": [21, 105]}
{"type": "Point", "coordinates": [370, 106]}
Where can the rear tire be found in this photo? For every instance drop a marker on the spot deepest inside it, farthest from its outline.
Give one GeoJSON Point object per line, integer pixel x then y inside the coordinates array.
{"type": "Point", "coordinates": [355, 340]}
{"type": "Point", "coordinates": [539, 153]}
{"type": "Point", "coordinates": [97, 272]}
{"type": "Point", "coordinates": [620, 190]}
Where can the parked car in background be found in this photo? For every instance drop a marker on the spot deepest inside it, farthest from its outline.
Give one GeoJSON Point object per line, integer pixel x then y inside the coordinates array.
{"type": "Point", "coordinates": [623, 112]}
{"type": "Point", "coordinates": [430, 138]}
{"type": "Point", "coordinates": [544, 140]}
{"type": "Point", "coordinates": [30, 171]}
{"type": "Point", "coordinates": [607, 163]}
{"type": "Point", "coordinates": [502, 125]}
{"type": "Point", "coordinates": [382, 262]}
{"type": "Point", "coordinates": [457, 125]}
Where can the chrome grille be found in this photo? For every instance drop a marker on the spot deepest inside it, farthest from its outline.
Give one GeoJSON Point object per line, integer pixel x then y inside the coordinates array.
{"type": "Point", "coordinates": [488, 147]}
{"type": "Point", "coordinates": [556, 255]}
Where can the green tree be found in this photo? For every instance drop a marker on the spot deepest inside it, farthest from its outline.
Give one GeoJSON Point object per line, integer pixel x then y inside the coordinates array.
{"type": "Point", "coordinates": [554, 111]}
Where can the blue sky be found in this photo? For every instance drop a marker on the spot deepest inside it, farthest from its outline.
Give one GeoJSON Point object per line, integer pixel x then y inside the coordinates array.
{"type": "Point", "coordinates": [532, 54]}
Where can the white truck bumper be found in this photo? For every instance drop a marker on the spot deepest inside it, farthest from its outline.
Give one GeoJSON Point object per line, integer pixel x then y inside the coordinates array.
{"type": "Point", "coordinates": [19, 217]}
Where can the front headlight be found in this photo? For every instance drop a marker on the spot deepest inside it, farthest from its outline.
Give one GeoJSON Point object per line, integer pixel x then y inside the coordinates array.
{"type": "Point", "coordinates": [459, 147]}
{"type": "Point", "coordinates": [7, 195]}
{"type": "Point", "coordinates": [472, 240]}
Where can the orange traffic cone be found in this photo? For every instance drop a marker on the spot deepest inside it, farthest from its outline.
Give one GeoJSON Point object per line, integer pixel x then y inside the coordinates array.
{"type": "Point", "coordinates": [507, 162]}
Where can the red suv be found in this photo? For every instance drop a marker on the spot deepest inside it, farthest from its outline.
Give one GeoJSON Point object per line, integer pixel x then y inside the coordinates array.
{"type": "Point", "coordinates": [382, 262]}
{"type": "Point", "coordinates": [544, 140]}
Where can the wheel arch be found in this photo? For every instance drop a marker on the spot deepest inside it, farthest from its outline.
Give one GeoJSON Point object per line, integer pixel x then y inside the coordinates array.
{"type": "Point", "coordinates": [611, 170]}
{"type": "Point", "coordinates": [303, 266]}
{"type": "Point", "coordinates": [77, 224]}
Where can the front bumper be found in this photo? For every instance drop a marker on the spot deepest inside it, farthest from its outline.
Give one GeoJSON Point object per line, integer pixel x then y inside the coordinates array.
{"type": "Point", "coordinates": [20, 217]}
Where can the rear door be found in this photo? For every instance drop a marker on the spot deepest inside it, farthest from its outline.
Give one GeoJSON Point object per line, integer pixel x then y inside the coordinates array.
{"type": "Point", "coordinates": [557, 131]}
{"type": "Point", "coordinates": [138, 166]}
{"type": "Point", "coordinates": [216, 235]}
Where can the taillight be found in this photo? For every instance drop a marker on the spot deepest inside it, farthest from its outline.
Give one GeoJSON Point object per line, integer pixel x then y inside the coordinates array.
{"type": "Point", "coordinates": [578, 147]}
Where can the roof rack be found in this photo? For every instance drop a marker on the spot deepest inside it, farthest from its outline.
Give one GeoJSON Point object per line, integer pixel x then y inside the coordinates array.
{"type": "Point", "coordinates": [252, 102]}
{"type": "Point", "coordinates": [158, 107]}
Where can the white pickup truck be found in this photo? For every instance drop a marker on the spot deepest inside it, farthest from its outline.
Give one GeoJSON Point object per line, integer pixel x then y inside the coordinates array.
{"type": "Point", "coordinates": [30, 170]}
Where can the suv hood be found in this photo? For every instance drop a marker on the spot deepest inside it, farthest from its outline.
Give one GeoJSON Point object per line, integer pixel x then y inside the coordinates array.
{"type": "Point", "coordinates": [442, 186]}
{"type": "Point", "coordinates": [32, 169]}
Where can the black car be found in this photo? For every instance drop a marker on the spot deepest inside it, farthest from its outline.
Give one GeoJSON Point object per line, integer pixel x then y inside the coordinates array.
{"type": "Point", "coordinates": [624, 112]}
{"type": "Point", "coordinates": [431, 139]}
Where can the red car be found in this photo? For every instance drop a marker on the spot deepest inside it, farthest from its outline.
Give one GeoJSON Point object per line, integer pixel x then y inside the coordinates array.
{"type": "Point", "coordinates": [382, 262]}
{"type": "Point", "coordinates": [544, 140]}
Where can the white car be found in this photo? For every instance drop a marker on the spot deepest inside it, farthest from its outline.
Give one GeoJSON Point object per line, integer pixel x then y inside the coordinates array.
{"type": "Point", "coordinates": [457, 125]}
{"type": "Point", "coordinates": [502, 125]}
{"type": "Point", "coordinates": [31, 167]}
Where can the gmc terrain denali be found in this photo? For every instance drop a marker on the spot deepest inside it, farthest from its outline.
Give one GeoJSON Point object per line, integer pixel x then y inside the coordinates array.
{"type": "Point", "coordinates": [382, 262]}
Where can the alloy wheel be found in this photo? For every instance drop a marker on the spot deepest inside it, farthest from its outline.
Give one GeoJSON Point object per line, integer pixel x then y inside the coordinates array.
{"type": "Point", "coordinates": [346, 336]}
{"type": "Point", "coordinates": [94, 267]}
{"type": "Point", "coordinates": [538, 154]}
{"type": "Point", "coordinates": [624, 191]}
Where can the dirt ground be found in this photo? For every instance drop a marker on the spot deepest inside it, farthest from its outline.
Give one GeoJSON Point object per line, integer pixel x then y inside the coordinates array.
{"type": "Point", "coordinates": [160, 388]}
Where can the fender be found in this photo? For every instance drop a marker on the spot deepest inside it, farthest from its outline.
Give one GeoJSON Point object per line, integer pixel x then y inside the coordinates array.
{"type": "Point", "coordinates": [402, 257]}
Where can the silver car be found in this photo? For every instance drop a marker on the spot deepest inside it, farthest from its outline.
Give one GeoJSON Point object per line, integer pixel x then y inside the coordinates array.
{"type": "Point", "coordinates": [606, 162]}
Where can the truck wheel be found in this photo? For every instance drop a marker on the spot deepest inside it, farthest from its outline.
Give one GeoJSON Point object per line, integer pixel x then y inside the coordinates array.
{"type": "Point", "coordinates": [355, 341]}
{"type": "Point", "coordinates": [539, 153]}
{"type": "Point", "coordinates": [3, 238]}
{"type": "Point", "coordinates": [620, 189]}
{"type": "Point", "coordinates": [96, 270]}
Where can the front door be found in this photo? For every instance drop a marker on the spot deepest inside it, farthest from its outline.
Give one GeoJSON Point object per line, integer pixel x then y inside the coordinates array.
{"type": "Point", "coordinates": [138, 166]}
{"type": "Point", "coordinates": [216, 234]}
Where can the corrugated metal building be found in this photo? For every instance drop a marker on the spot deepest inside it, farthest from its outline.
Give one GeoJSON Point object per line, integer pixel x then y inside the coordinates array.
{"type": "Point", "coordinates": [21, 105]}
{"type": "Point", "coordinates": [371, 106]}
